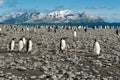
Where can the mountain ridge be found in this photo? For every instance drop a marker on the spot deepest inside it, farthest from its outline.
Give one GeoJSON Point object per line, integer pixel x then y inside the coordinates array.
{"type": "Point", "coordinates": [62, 16]}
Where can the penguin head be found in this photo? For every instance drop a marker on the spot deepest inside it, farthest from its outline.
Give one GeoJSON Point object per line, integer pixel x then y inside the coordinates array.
{"type": "Point", "coordinates": [64, 38]}
{"type": "Point", "coordinates": [29, 38]}
{"type": "Point", "coordinates": [13, 38]}
{"type": "Point", "coordinates": [75, 29]}
{"type": "Point", "coordinates": [96, 40]}
{"type": "Point", "coordinates": [20, 38]}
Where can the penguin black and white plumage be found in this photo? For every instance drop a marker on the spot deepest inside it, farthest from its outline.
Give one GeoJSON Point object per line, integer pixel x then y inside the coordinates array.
{"type": "Point", "coordinates": [20, 45]}
{"type": "Point", "coordinates": [71, 27]}
{"type": "Point", "coordinates": [24, 40]}
{"type": "Point", "coordinates": [97, 47]}
{"type": "Point", "coordinates": [62, 44]}
{"type": "Point", "coordinates": [85, 29]}
{"type": "Point", "coordinates": [105, 27]}
{"type": "Point", "coordinates": [75, 35]}
{"type": "Point", "coordinates": [49, 29]}
{"type": "Point", "coordinates": [117, 31]}
{"type": "Point", "coordinates": [0, 29]}
{"type": "Point", "coordinates": [94, 27]}
{"type": "Point", "coordinates": [27, 29]}
{"type": "Point", "coordinates": [29, 45]}
{"type": "Point", "coordinates": [67, 28]}
{"type": "Point", "coordinates": [55, 29]}
{"type": "Point", "coordinates": [12, 45]}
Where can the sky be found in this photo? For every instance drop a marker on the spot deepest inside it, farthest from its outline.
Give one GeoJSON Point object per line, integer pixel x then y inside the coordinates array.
{"type": "Point", "coordinates": [109, 10]}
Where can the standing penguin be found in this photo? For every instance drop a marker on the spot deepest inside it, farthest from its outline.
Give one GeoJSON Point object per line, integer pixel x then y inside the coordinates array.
{"type": "Point", "coordinates": [48, 28]}
{"type": "Point", "coordinates": [85, 29]}
{"type": "Point", "coordinates": [24, 40]}
{"type": "Point", "coordinates": [20, 45]}
{"type": "Point", "coordinates": [75, 35]}
{"type": "Point", "coordinates": [27, 29]}
{"type": "Point", "coordinates": [29, 45]}
{"type": "Point", "coordinates": [96, 47]}
{"type": "Point", "coordinates": [55, 29]}
{"type": "Point", "coordinates": [117, 31]}
{"type": "Point", "coordinates": [12, 45]}
{"type": "Point", "coordinates": [0, 29]}
{"type": "Point", "coordinates": [62, 44]}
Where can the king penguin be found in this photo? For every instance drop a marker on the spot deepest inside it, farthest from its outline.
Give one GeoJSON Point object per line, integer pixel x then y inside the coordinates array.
{"type": "Point", "coordinates": [85, 29]}
{"type": "Point", "coordinates": [62, 44]}
{"type": "Point", "coordinates": [0, 29]}
{"type": "Point", "coordinates": [55, 29]}
{"type": "Point", "coordinates": [96, 47]}
{"type": "Point", "coordinates": [75, 35]}
{"type": "Point", "coordinates": [20, 45]}
{"type": "Point", "coordinates": [12, 45]}
{"type": "Point", "coordinates": [24, 40]}
{"type": "Point", "coordinates": [29, 45]}
{"type": "Point", "coordinates": [117, 31]}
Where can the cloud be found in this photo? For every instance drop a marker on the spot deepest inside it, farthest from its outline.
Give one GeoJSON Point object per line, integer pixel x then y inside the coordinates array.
{"type": "Point", "coordinates": [59, 8]}
{"type": "Point", "coordinates": [1, 2]}
{"type": "Point", "coordinates": [107, 14]}
{"type": "Point", "coordinates": [32, 10]}
{"type": "Point", "coordinates": [98, 7]}
{"type": "Point", "coordinates": [11, 3]}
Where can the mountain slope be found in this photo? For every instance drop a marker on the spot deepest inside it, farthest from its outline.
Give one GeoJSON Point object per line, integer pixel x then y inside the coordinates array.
{"type": "Point", "coordinates": [63, 16]}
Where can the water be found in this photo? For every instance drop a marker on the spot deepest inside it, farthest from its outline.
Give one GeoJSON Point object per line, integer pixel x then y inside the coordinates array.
{"type": "Point", "coordinates": [90, 25]}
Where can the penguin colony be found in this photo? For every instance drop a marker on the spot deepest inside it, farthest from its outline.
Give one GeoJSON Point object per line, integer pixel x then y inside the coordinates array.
{"type": "Point", "coordinates": [23, 43]}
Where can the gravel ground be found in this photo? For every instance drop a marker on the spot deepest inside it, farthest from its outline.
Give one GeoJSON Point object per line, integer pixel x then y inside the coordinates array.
{"type": "Point", "coordinates": [45, 62]}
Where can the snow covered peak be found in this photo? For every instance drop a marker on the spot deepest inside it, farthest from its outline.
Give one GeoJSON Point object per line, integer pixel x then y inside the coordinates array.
{"type": "Point", "coordinates": [63, 16]}
{"type": "Point", "coordinates": [84, 14]}
{"type": "Point", "coordinates": [60, 14]}
{"type": "Point", "coordinates": [66, 12]}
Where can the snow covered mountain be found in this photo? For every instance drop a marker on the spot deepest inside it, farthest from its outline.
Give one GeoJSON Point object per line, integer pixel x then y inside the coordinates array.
{"type": "Point", "coordinates": [64, 16]}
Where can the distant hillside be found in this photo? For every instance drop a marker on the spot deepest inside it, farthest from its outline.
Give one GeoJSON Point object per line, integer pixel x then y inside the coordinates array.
{"type": "Point", "coordinates": [63, 16]}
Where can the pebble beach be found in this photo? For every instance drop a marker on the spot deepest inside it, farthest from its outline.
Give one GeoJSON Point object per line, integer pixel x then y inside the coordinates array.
{"type": "Point", "coordinates": [45, 62]}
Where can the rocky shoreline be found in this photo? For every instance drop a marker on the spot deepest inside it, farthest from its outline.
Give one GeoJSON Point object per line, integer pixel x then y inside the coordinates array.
{"type": "Point", "coordinates": [45, 62]}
